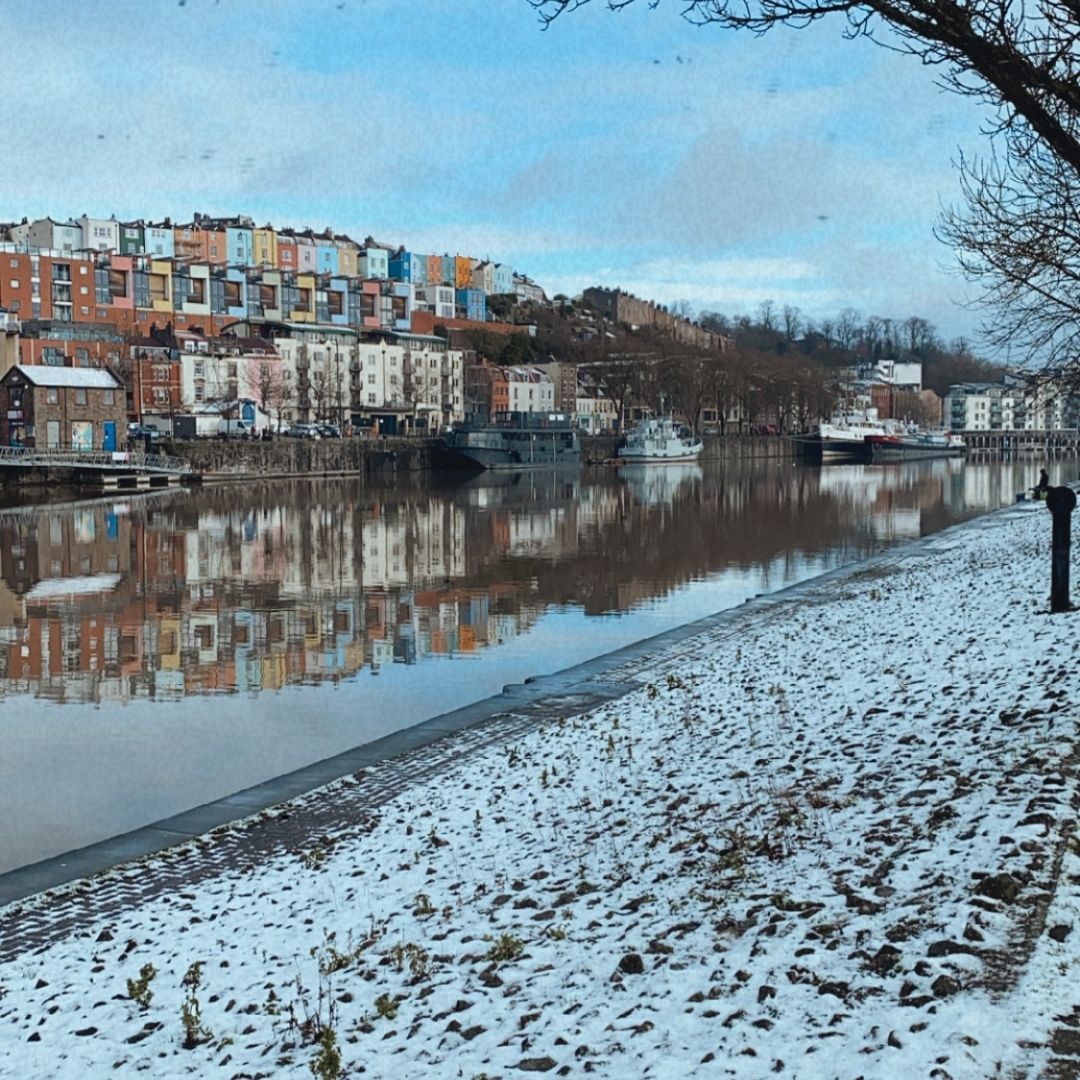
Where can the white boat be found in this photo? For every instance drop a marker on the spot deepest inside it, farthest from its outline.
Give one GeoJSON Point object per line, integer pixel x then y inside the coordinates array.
{"type": "Point", "coordinates": [843, 437]}
{"type": "Point", "coordinates": [659, 439]}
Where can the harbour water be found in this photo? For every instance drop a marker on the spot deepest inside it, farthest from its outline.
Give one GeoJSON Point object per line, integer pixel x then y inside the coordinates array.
{"type": "Point", "coordinates": [161, 651]}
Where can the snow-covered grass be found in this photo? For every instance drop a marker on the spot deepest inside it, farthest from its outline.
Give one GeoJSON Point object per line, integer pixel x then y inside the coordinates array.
{"type": "Point", "coordinates": [838, 844]}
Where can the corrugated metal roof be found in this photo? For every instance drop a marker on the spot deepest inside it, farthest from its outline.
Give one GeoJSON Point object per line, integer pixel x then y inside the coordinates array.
{"type": "Point", "coordinates": [48, 375]}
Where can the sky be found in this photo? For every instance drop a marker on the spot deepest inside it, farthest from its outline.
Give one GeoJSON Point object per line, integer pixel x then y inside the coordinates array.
{"type": "Point", "coordinates": [630, 150]}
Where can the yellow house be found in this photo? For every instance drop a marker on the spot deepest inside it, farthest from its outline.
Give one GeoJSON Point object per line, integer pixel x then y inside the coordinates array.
{"type": "Point", "coordinates": [161, 285]}
{"type": "Point", "coordinates": [264, 246]}
{"type": "Point", "coordinates": [305, 305]}
{"type": "Point", "coordinates": [348, 257]}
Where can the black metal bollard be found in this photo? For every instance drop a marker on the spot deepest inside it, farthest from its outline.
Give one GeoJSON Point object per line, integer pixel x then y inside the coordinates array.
{"type": "Point", "coordinates": [1061, 502]}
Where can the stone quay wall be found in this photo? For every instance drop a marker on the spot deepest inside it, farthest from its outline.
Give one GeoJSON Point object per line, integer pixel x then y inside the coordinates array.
{"type": "Point", "coordinates": [236, 458]}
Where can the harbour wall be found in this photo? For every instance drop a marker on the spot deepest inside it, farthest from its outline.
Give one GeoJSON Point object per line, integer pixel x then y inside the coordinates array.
{"type": "Point", "coordinates": [235, 459]}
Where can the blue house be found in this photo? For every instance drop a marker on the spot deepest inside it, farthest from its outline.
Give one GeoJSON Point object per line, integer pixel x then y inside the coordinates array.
{"type": "Point", "coordinates": [471, 304]}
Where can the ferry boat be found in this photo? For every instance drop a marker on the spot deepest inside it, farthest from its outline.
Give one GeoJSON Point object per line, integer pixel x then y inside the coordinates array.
{"type": "Point", "coordinates": [659, 439]}
{"type": "Point", "coordinates": [913, 444]}
{"type": "Point", "coordinates": [519, 440]}
{"type": "Point", "coordinates": [844, 436]}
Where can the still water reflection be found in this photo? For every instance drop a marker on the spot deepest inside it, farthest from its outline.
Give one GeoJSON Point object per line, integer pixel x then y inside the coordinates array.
{"type": "Point", "coordinates": [199, 642]}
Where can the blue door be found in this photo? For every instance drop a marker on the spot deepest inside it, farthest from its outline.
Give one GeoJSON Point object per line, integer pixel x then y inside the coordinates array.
{"type": "Point", "coordinates": [109, 442]}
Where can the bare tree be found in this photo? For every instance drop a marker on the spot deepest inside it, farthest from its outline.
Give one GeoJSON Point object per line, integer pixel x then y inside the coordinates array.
{"type": "Point", "coordinates": [1018, 236]}
{"type": "Point", "coordinates": [284, 395]}
{"type": "Point", "coordinates": [792, 321]}
{"type": "Point", "coordinates": [1019, 240]}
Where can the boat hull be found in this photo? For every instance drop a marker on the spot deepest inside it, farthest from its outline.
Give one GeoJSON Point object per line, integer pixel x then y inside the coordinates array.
{"type": "Point", "coordinates": [835, 449]}
{"type": "Point", "coordinates": [514, 449]}
{"type": "Point", "coordinates": [885, 450]}
{"type": "Point", "coordinates": [659, 459]}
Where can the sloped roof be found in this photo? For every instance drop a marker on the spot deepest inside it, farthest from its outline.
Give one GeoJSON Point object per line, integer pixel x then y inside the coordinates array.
{"type": "Point", "coordinates": [88, 378]}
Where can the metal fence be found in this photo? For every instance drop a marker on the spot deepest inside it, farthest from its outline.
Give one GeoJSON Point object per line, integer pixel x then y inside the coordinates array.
{"type": "Point", "coordinates": [27, 457]}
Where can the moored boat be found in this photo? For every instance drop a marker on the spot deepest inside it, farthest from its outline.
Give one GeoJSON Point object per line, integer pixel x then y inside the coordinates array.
{"type": "Point", "coordinates": [515, 441]}
{"type": "Point", "coordinates": [843, 436]}
{"type": "Point", "coordinates": [659, 439]}
{"type": "Point", "coordinates": [914, 444]}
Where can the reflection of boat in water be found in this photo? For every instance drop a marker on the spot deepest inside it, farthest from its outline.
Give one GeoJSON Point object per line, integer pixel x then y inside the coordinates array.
{"type": "Point", "coordinates": [516, 441]}
{"type": "Point", "coordinates": [913, 445]}
{"type": "Point", "coordinates": [659, 482]}
{"type": "Point", "coordinates": [659, 440]}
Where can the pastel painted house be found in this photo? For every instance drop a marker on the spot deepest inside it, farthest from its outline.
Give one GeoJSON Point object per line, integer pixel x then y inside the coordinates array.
{"type": "Point", "coordinates": [471, 304]}
{"type": "Point", "coordinates": [374, 262]}
{"type": "Point", "coordinates": [364, 301]}
{"type": "Point", "coordinates": [408, 266]}
{"type": "Point", "coordinates": [326, 254]}
{"type": "Point", "coordinates": [264, 247]}
{"type": "Point", "coordinates": [396, 307]}
{"type": "Point", "coordinates": [332, 301]}
{"type": "Point", "coordinates": [228, 292]}
{"type": "Point", "coordinates": [240, 245]}
{"type": "Point", "coordinates": [159, 240]}
{"type": "Point", "coordinates": [264, 294]}
{"type": "Point", "coordinates": [503, 280]}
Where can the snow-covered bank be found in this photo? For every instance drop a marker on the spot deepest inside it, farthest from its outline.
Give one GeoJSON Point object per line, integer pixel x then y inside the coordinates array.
{"type": "Point", "coordinates": [832, 845]}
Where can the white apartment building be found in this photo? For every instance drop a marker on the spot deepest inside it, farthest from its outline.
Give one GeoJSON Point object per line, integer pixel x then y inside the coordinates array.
{"type": "Point", "coordinates": [530, 390]}
{"type": "Point", "coordinates": [1025, 406]}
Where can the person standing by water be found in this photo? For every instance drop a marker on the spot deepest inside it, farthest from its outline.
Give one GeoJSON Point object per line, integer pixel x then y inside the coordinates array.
{"type": "Point", "coordinates": [1043, 486]}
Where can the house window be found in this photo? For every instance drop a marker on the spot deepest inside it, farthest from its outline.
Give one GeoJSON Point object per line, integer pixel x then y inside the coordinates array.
{"type": "Point", "coordinates": [107, 397]}
{"type": "Point", "coordinates": [52, 396]}
{"type": "Point", "coordinates": [371, 378]}
{"type": "Point", "coordinates": [80, 396]}
{"type": "Point", "coordinates": [371, 399]}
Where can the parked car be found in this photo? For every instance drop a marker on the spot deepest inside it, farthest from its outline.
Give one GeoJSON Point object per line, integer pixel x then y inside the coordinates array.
{"type": "Point", "coordinates": [142, 431]}
{"type": "Point", "coordinates": [329, 431]}
{"type": "Point", "coordinates": [303, 431]}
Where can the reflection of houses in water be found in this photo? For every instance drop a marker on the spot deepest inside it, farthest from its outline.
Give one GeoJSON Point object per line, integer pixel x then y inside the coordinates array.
{"type": "Point", "coordinates": [232, 601]}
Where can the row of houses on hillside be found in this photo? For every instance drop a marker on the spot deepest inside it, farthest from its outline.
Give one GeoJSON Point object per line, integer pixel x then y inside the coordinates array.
{"type": "Point", "coordinates": [237, 241]}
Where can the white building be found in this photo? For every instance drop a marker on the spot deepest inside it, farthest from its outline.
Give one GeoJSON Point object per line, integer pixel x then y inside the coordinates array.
{"type": "Point", "coordinates": [63, 237]}
{"type": "Point", "coordinates": [1016, 405]}
{"type": "Point", "coordinates": [438, 299]}
{"type": "Point", "coordinates": [529, 390]}
{"type": "Point", "coordinates": [100, 234]}
{"type": "Point", "coordinates": [595, 415]}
